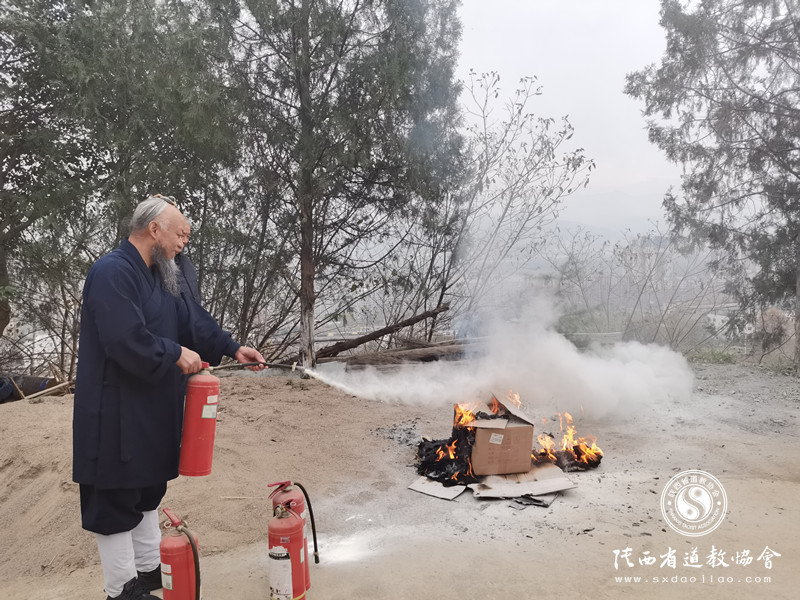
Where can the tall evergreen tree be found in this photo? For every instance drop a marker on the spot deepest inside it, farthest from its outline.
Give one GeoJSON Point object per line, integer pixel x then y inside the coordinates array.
{"type": "Point", "coordinates": [102, 103]}
{"type": "Point", "coordinates": [351, 120]}
{"type": "Point", "coordinates": [725, 102]}
{"type": "Point", "coordinates": [42, 166]}
{"type": "Point", "coordinates": [150, 98]}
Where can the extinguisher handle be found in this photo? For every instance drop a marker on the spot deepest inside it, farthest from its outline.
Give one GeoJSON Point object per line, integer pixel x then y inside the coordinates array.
{"type": "Point", "coordinates": [174, 519]}
{"type": "Point", "coordinates": [281, 485]}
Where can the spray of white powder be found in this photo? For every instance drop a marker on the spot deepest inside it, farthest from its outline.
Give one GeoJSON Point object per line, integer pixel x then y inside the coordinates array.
{"type": "Point", "coordinates": [543, 367]}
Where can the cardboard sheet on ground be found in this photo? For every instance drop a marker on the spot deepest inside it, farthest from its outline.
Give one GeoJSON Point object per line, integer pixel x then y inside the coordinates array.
{"type": "Point", "coordinates": [436, 489]}
{"type": "Point", "coordinates": [541, 481]}
{"type": "Point", "coordinates": [544, 479]}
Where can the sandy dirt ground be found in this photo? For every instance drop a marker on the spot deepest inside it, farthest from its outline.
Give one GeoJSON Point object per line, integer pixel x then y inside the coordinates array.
{"type": "Point", "coordinates": [380, 540]}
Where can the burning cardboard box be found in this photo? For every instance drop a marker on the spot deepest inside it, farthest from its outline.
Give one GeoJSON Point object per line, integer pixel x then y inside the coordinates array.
{"type": "Point", "coordinates": [493, 439]}
{"type": "Point", "coordinates": [502, 444]}
{"type": "Point", "coordinates": [497, 439]}
{"type": "Point", "coordinates": [491, 451]}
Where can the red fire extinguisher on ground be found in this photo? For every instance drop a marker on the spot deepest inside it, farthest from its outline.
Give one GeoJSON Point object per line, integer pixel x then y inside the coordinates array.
{"type": "Point", "coordinates": [295, 495]}
{"type": "Point", "coordinates": [180, 563]}
{"type": "Point", "coordinates": [288, 545]}
{"type": "Point", "coordinates": [199, 423]}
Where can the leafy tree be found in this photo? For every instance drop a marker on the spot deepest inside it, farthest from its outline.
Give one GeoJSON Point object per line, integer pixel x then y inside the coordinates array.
{"type": "Point", "coordinates": [103, 103]}
{"type": "Point", "coordinates": [294, 133]}
{"type": "Point", "coordinates": [349, 122]}
{"type": "Point", "coordinates": [725, 102]}
{"type": "Point", "coordinates": [42, 168]}
{"type": "Point", "coordinates": [151, 100]}
{"type": "Point", "coordinates": [49, 303]}
{"type": "Point", "coordinates": [241, 256]}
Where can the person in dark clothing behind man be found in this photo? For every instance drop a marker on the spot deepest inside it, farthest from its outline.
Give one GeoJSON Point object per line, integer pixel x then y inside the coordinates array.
{"type": "Point", "coordinates": [187, 274]}
{"type": "Point", "coordinates": [140, 338]}
{"type": "Point", "coordinates": [187, 283]}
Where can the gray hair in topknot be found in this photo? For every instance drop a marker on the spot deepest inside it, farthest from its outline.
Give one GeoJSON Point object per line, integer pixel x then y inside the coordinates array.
{"type": "Point", "coordinates": [146, 211]}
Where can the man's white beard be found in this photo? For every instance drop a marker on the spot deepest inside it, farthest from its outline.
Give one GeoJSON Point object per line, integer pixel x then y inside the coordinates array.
{"type": "Point", "coordinates": [167, 268]}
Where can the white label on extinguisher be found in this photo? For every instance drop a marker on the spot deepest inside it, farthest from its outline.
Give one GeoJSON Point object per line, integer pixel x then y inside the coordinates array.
{"type": "Point", "coordinates": [212, 399]}
{"type": "Point", "coordinates": [210, 411]}
{"type": "Point", "coordinates": [306, 525]}
{"type": "Point", "coordinates": [166, 576]}
{"type": "Point", "coordinates": [280, 574]}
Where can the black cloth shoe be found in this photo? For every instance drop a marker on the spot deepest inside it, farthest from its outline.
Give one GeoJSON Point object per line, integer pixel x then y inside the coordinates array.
{"type": "Point", "coordinates": [151, 580]}
{"type": "Point", "coordinates": [133, 591]}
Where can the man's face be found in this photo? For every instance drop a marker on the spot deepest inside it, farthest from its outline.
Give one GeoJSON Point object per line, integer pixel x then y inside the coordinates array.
{"type": "Point", "coordinates": [173, 232]}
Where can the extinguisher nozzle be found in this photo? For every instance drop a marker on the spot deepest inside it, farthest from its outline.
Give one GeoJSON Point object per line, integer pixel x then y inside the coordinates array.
{"type": "Point", "coordinates": [316, 558]}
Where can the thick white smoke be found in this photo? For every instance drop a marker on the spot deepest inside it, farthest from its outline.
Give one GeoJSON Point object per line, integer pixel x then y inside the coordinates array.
{"type": "Point", "coordinates": [544, 368]}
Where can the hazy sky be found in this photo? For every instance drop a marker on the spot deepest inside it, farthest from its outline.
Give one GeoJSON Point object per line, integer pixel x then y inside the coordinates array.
{"type": "Point", "coordinates": [580, 51]}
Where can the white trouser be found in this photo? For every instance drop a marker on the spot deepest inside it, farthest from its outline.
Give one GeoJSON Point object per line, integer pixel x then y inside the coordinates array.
{"type": "Point", "coordinates": [146, 537]}
{"type": "Point", "coordinates": [122, 554]}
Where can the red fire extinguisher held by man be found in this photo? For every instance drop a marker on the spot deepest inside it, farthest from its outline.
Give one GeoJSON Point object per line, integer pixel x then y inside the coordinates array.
{"type": "Point", "coordinates": [199, 424]}
{"type": "Point", "coordinates": [288, 546]}
{"type": "Point", "coordinates": [180, 563]}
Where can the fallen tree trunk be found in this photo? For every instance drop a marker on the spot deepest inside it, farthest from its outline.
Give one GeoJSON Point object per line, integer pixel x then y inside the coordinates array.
{"type": "Point", "coordinates": [338, 347]}
{"type": "Point", "coordinates": [412, 343]}
{"type": "Point", "coordinates": [52, 390]}
{"type": "Point", "coordinates": [393, 357]}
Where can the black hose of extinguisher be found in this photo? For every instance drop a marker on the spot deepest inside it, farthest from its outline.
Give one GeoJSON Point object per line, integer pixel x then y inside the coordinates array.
{"type": "Point", "coordinates": [188, 533]}
{"type": "Point", "coordinates": [313, 525]}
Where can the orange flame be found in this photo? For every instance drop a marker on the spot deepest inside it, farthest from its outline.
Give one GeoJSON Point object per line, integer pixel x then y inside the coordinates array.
{"type": "Point", "coordinates": [548, 447]}
{"type": "Point", "coordinates": [582, 449]}
{"type": "Point", "coordinates": [513, 398]}
{"type": "Point", "coordinates": [446, 451]}
{"type": "Point", "coordinates": [451, 449]}
{"type": "Point", "coordinates": [463, 416]}
{"type": "Point", "coordinates": [469, 472]}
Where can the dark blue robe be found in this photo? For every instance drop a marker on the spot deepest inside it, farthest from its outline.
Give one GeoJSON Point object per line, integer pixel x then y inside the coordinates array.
{"type": "Point", "coordinates": [129, 392]}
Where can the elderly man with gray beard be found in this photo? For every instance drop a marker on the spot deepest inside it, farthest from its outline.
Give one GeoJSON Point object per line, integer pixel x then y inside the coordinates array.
{"type": "Point", "coordinates": [141, 336]}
